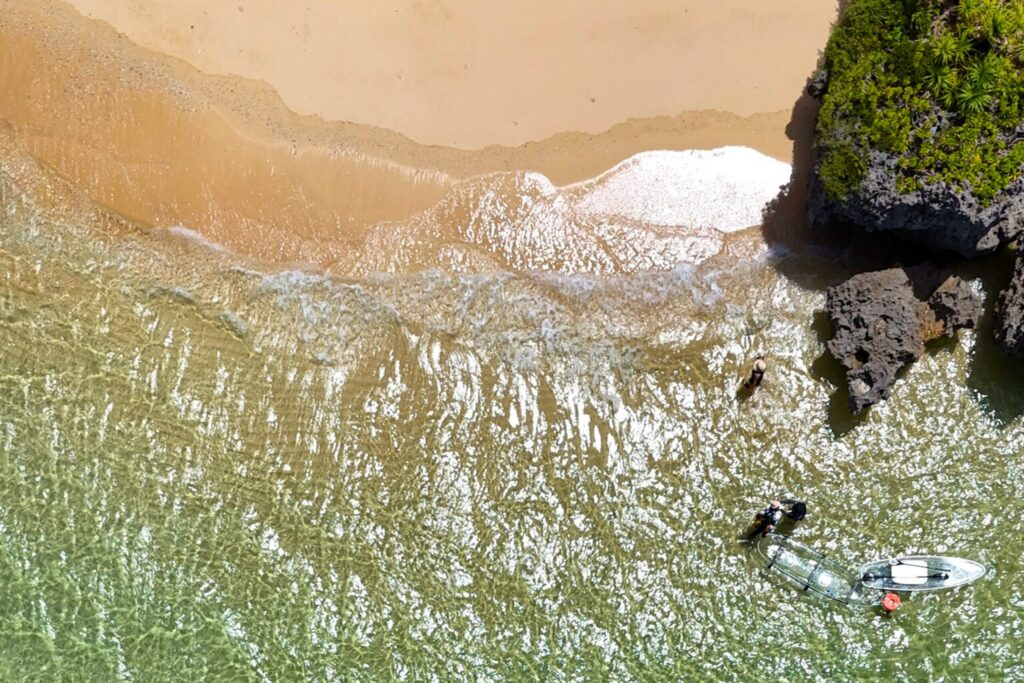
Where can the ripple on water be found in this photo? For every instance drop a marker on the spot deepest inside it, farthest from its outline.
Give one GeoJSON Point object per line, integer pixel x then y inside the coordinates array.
{"type": "Point", "coordinates": [507, 476]}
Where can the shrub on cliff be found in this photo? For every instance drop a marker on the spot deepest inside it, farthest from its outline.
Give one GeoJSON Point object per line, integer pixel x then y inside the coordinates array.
{"type": "Point", "coordinates": [939, 84]}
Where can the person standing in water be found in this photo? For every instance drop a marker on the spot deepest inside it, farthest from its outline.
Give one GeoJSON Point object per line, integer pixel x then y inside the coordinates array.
{"type": "Point", "coordinates": [797, 509]}
{"type": "Point", "coordinates": [766, 520]}
{"type": "Point", "coordinates": [757, 372]}
{"type": "Point", "coordinates": [780, 516]}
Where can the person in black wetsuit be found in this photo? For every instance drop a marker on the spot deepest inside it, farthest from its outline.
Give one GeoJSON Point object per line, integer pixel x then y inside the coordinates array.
{"type": "Point", "coordinates": [797, 509]}
{"type": "Point", "coordinates": [793, 511]}
{"type": "Point", "coordinates": [780, 516]}
{"type": "Point", "coordinates": [766, 520]}
{"type": "Point", "coordinates": [756, 372]}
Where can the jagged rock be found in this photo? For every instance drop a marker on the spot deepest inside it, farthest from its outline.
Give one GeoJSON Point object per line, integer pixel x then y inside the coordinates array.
{"type": "Point", "coordinates": [879, 326]}
{"type": "Point", "coordinates": [818, 85]}
{"type": "Point", "coordinates": [939, 215]}
{"type": "Point", "coordinates": [955, 306]}
{"type": "Point", "coordinates": [876, 325]}
{"type": "Point", "coordinates": [1009, 329]}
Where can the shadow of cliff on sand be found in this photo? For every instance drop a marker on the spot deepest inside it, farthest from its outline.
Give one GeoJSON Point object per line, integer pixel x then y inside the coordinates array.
{"type": "Point", "coordinates": [806, 256]}
{"type": "Point", "coordinates": [816, 258]}
{"type": "Point", "coordinates": [785, 220]}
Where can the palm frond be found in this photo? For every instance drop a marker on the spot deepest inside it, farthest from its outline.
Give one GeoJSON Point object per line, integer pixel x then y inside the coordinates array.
{"type": "Point", "coordinates": [973, 98]}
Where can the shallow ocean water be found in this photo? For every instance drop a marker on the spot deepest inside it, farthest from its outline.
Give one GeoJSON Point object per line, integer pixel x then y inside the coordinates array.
{"type": "Point", "coordinates": [214, 470]}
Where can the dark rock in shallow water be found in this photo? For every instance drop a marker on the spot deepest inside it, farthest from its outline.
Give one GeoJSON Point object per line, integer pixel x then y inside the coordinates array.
{"type": "Point", "coordinates": [939, 216]}
{"type": "Point", "coordinates": [876, 327]}
{"type": "Point", "coordinates": [879, 326]}
{"type": "Point", "coordinates": [1009, 329]}
{"type": "Point", "coordinates": [954, 306]}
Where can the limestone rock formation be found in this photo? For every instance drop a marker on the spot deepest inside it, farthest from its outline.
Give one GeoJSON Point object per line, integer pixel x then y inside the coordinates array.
{"type": "Point", "coordinates": [938, 215]}
{"type": "Point", "coordinates": [1009, 329]}
{"type": "Point", "coordinates": [879, 326]}
{"type": "Point", "coordinates": [919, 134]}
{"type": "Point", "coordinates": [954, 306]}
{"type": "Point", "coordinates": [876, 326]}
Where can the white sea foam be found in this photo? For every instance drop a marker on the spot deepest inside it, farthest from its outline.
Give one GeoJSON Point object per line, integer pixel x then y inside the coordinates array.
{"type": "Point", "coordinates": [191, 235]}
{"type": "Point", "coordinates": [725, 189]}
{"type": "Point", "coordinates": [650, 212]}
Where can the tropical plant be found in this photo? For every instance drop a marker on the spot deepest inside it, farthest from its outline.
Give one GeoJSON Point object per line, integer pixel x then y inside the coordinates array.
{"type": "Point", "coordinates": [939, 83]}
{"type": "Point", "coordinates": [951, 49]}
{"type": "Point", "coordinates": [973, 97]}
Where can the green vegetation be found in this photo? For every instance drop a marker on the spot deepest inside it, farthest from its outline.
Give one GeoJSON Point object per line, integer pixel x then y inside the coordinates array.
{"type": "Point", "coordinates": [938, 83]}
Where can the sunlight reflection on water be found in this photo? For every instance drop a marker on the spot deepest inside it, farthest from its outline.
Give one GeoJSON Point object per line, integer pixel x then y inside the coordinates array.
{"type": "Point", "coordinates": [215, 470]}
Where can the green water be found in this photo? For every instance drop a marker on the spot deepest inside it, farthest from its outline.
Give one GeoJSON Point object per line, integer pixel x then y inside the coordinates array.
{"type": "Point", "coordinates": [210, 471]}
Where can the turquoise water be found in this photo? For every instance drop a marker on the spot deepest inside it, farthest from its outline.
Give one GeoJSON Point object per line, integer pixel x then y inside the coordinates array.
{"type": "Point", "coordinates": [214, 470]}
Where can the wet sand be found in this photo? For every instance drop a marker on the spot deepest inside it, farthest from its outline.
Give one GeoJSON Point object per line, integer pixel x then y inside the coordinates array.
{"type": "Point", "coordinates": [150, 136]}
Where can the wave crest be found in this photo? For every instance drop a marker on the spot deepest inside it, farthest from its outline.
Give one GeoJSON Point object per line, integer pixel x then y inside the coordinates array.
{"type": "Point", "coordinates": [652, 211]}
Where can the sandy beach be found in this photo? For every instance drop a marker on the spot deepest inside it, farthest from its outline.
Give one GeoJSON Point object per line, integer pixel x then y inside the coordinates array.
{"type": "Point", "coordinates": [410, 340]}
{"type": "Point", "coordinates": [468, 74]}
{"type": "Point", "coordinates": [285, 132]}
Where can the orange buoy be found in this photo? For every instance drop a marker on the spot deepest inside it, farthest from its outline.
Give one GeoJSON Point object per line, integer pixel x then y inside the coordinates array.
{"type": "Point", "coordinates": [891, 602]}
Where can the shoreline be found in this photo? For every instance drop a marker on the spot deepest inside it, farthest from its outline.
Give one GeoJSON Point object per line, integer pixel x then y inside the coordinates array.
{"type": "Point", "coordinates": [151, 138]}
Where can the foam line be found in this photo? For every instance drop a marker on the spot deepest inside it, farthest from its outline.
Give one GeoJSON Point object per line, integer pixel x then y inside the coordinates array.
{"type": "Point", "coordinates": [725, 188]}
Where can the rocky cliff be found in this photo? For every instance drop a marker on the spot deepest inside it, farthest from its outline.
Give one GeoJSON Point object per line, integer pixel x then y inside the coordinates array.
{"type": "Point", "coordinates": [938, 215]}
{"type": "Point", "coordinates": [921, 134]}
{"type": "Point", "coordinates": [921, 126]}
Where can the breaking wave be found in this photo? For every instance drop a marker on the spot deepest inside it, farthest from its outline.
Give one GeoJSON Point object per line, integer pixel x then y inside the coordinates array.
{"type": "Point", "coordinates": [651, 212]}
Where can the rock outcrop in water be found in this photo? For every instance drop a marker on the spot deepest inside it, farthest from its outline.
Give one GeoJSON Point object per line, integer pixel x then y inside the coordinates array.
{"type": "Point", "coordinates": [921, 134]}
{"type": "Point", "coordinates": [876, 328]}
{"type": "Point", "coordinates": [952, 306]}
{"type": "Point", "coordinates": [1009, 329]}
{"type": "Point", "coordinates": [879, 326]}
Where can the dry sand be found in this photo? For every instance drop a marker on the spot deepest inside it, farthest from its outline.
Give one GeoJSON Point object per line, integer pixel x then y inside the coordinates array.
{"type": "Point", "coordinates": [470, 73]}
{"type": "Point", "coordinates": [145, 133]}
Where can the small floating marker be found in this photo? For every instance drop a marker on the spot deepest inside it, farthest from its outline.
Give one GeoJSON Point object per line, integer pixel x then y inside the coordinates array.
{"type": "Point", "coordinates": [890, 603]}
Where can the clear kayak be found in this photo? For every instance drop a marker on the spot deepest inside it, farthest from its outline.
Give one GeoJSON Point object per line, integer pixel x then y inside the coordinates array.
{"type": "Point", "coordinates": [920, 573]}
{"type": "Point", "coordinates": [811, 571]}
